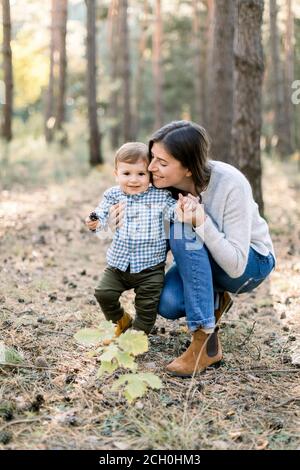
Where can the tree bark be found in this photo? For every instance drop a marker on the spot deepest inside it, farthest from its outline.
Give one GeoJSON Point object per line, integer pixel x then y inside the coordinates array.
{"type": "Point", "coordinates": [139, 85]}
{"type": "Point", "coordinates": [7, 72]}
{"type": "Point", "coordinates": [221, 90]}
{"type": "Point", "coordinates": [62, 63]}
{"type": "Point", "coordinates": [209, 58]}
{"type": "Point", "coordinates": [157, 66]}
{"type": "Point", "coordinates": [289, 69]}
{"type": "Point", "coordinates": [249, 69]}
{"type": "Point", "coordinates": [199, 58]}
{"type": "Point", "coordinates": [281, 125]}
{"type": "Point", "coordinates": [127, 122]}
{"type": "Point", "coordinates": [114, 46]}
{"type": "Point", "coordinates": [94, 135]}
{"type": "Point", "coordinates": [50, 97]}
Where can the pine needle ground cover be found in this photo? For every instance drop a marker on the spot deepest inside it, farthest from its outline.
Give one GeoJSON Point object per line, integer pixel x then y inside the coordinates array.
{"type": "Point", "coordinates": [50, 396]}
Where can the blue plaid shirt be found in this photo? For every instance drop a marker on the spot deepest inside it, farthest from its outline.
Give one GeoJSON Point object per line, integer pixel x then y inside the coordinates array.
{"type": "Point", "coordinates": [141, 240]}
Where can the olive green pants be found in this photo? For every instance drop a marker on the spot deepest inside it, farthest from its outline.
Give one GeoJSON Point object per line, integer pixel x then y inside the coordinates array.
{"type": "Point", "coordinates": [147, 286]}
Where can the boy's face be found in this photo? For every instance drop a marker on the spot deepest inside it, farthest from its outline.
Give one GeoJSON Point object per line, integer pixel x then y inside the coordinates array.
{"type": "Point", "coordinates": [133, 178]}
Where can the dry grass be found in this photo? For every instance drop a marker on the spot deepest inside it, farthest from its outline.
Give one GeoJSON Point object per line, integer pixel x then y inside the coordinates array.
{"type": "Point", "coordinates": [49, 267]}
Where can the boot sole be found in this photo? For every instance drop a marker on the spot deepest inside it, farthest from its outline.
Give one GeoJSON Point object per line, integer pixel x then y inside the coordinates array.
{"type": "Point", "coordinates": [216, 365]}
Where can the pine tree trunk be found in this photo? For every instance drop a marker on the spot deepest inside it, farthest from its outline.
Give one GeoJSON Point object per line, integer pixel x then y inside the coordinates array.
{"type": "Point", "coordinates": [50, 96]}
{"type": "Point", "coordinates": [209, 59]}
{"type": "Point", "coordinates": [127, 124]}
{"type": "Point", "coordinates": [7, 72]}
{"type": "Point", "coordinates": [281, 125]}
{"type": "Point", "coordinates": [62, 61]}
{"type": "Point", "coordinates": [221, 90]}
{"type": "Point", "coordinates": [289, 69]}
{"type": "Point", "coordinates": [157, 66]}
{"type": "Point", "coordinates": [114, 46]}
{"type": "Point", "coordinates": [249, 69]}
{"type": "Point", "coordinates": [94, 138]}
{"type": "Point", "coordinates": [139, 85]}
{"type": "Point", "coordinates": [198, 65]}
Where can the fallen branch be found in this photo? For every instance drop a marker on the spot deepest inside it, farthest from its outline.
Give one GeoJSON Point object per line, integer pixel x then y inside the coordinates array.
{"type": "Point", "coordinates": [54, 333]}
{"type": "Point", "coordinates": [248, 336]}
{"type": "Point", "coordinates": [263, 370]}
{"type": "Point", "coordinates": [24, 366]}
{"type": "Point", "coordinates": [19, 421]}
{"type": "Point", "coordinates": [286, 402]}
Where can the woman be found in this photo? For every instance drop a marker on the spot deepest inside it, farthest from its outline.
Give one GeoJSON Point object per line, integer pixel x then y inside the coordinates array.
{"type": "Point", "coordinates": [227, 249]}
{"type": "Point", "coordinates": [220, 245]}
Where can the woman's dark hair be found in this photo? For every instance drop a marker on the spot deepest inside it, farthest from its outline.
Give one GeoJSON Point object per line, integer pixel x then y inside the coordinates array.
{"type": "Point", "coordinates": [189, 143]}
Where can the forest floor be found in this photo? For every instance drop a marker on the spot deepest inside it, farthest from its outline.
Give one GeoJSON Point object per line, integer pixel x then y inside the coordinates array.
{"type": "Point", "coordinates": [50, 265]}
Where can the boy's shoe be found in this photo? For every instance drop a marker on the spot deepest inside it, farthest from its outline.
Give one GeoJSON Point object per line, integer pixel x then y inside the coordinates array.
{"type": "Point", "coordinates": [225, 303]}
{"type": "Point", "coordinates": [122, 325]}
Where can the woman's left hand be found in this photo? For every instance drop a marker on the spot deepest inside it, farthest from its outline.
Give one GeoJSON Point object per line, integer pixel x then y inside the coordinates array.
{"type": "Point", "coordinates": [190, 211]}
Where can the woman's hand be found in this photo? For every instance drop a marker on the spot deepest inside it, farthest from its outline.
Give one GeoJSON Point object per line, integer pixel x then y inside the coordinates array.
{"type": "Point", "coordinates": [116, 215]}
{"type": "Point", "coordinates": [190, 211]}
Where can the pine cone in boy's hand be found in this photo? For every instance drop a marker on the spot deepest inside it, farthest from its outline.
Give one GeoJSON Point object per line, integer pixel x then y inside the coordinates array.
{"type": "Point", "coordinates": [93, 216]}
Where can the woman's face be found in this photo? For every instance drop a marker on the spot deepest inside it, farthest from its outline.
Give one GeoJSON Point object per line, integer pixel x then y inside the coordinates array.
{"type": "Point", "coordinates": [166, 170]}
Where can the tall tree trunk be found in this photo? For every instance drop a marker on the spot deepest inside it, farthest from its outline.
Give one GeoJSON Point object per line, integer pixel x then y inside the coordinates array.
{"type": "Point", "coordinates": [221, 90]}
{"type": "Point", "coordinates": [198, 64]}
{"type": "Point", "coordinates": [157, 66]}
{"type": "Point", "coordinates": [139, 85]}
{"type": "Point", "coordinates": [210, 4]}
{"type": "Point", "coordinates": [281, 125]}
{"type": "Point", "coordinates": [114, 46]}
{"type": "Point", "coordinates": [94, 140]}
{"type": "Point", "coordinates": [207, 59]}
{"type": "Point", "coordinates": [247, 93]}
{"type": "Point", "coordinates": [50, 96]}
{"type": "Point", "coordinates": [127, 123]}
{"type": "Point", "coordinates": [7, 72]}
{"type": "Point", "coordinates": [62, 61]}
{"type": "Point", "coordinates": [289, 69]}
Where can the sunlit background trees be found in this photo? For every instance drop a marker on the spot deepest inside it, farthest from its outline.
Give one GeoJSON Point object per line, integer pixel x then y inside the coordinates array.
{"type": "Point", "coordinates": [89, 75]}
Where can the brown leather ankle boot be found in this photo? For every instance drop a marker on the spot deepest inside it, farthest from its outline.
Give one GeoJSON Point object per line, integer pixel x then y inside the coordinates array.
{"type": "Point", "coordinates": [225, 303]}
{"type": "Point", "coordinates": [204, 351]}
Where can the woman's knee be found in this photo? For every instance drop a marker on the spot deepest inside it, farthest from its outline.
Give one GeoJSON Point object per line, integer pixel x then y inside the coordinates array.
{"type": "Point", "coordinates": [169, 305]}
{"type": "Point", "coordinates": [184, 242]}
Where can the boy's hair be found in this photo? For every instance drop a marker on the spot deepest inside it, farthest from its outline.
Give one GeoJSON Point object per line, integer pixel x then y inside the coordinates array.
{"type": "Point", "coordinates": [132, 152]}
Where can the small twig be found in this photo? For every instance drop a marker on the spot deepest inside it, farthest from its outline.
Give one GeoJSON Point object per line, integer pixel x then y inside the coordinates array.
{"type": "Point", "coordinates": [286, 402]}
{"type": "Point", "coordinates": [6, 308]}
{"type": "Point", "coordinates": [179, 384]}
{"type": "Point", "coordinates": [55, 332]}
{"type": "Point", "coordinates": [261, 370]}
{"type": "Point", "coordinates": [19, 421]}
{"type": "Point", "coordinates": [24, 366]}
{"type": "Point", "coordinates": [248, 336]}
{"type": "Point", "coordinates": [26, 311]}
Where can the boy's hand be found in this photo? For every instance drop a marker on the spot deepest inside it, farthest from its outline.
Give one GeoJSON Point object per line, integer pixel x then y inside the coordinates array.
{"type": "Point", "coordinates": [91, 222]}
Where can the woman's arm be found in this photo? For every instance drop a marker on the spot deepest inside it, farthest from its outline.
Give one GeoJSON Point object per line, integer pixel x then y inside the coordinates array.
{"type": "Point", "coordinates": [230, 247]}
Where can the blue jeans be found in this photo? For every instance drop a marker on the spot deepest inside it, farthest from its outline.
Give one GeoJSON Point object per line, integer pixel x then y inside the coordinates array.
{"type": "Point", "coordinates": [193, 281]}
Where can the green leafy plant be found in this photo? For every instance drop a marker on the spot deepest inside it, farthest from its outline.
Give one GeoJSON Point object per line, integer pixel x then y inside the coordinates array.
{"type": "Point", "coordinates": [9, 355]}
{"type": "Point", "coordinates": [120, 353]}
